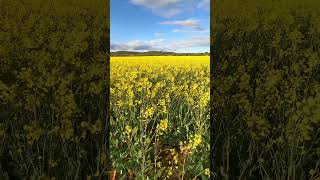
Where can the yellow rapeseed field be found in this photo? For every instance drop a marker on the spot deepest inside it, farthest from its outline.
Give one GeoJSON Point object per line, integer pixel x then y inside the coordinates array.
{"type": "Point", "coordinates": [160, 116]}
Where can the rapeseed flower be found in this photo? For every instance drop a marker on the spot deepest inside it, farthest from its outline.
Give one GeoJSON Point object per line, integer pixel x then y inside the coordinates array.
{"type": "Point", "coordinates": [128, 130]}
{"type": "Point", "coordinates": [207, 172]}
{"type": "Point", "coordinates": [148, 113]}
{"type": "Point", "coordinates": [162, 126]}
{"type": "Point", "coordinates": [194, 141]}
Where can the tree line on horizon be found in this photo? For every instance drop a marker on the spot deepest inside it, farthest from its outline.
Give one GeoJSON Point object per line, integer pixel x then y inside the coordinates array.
{"type": "Point", "coordinates": [156, 53]}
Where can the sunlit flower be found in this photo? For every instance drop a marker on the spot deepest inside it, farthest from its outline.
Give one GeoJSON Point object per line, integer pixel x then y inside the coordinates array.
{"type": "Point", "coordinates": [162, 126]}
{"type": "Point", "coordinates": [149, 112]}
{"type": "Point", "coordinates": [207, 172]}
{"type": "Point", "coordinates": [127, 130]}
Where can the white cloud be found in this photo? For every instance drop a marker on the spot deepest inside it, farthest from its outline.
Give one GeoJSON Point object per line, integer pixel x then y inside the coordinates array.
{"type": "Point", "coordinates": [137, 45]}
{"type": "Point", "coordinates": [164, 8]}
{"type": "Point", "coordinates": [155, 3]}
{"type": "Point", "coordinates": [158, 34]}
{"type": "Point", "coordinates": [168, 13]}
{"type": "Point", "coordinates": [204, 4]}
{"type": "Point", "coordinates": [191, 31]}
{"type": "Point", "coordinates": [162, 45]}
{"type": "Point", "coordinates": [200, 41]}
{"type": "Point", "coordinates": [190, 23]}
{"type": "Point", "coordinates": [170, 8]}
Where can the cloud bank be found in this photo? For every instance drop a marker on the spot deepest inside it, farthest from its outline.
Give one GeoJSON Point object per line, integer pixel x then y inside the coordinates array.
{"type": "Point", "coordinates": [162, 45]}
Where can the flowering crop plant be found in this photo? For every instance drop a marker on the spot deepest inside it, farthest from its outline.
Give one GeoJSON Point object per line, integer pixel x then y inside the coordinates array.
{"type": "Point", "coordinates": [160, 117]}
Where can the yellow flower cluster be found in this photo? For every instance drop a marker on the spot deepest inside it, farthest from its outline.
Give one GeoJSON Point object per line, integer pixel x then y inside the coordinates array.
{"type": "Point", "coordinates": [194, 142]}
{"type": "Point", "coordinates": [207, 172]}
{"type": "Point", "coordinates": [162, 126]}
{"type": "Point", "coordinates": [148, 113]}
{"type": "Point", "coordinates": [175, 156]}
{"type": "Point", "coordinates": [127, 131]}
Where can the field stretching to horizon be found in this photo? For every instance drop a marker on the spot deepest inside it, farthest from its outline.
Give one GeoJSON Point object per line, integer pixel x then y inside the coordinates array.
{"type": "Point", "coordinates": [160, 117]}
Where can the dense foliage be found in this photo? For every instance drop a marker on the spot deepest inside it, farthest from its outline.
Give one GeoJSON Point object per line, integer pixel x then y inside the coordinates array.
{"type": "Point", "coordinates": [160, 117]}
{"type": "Point", "coordinates": [53, 57]}
{"type": "Point", "coordinates": [266, 89]}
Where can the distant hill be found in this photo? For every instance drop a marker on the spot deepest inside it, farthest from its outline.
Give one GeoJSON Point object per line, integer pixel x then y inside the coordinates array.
{"type": "Point", "coordinates": [156, 53]}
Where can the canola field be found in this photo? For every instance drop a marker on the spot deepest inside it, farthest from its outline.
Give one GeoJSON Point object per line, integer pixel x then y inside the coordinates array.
{"type": "Point", "coordinates": [160, 117]}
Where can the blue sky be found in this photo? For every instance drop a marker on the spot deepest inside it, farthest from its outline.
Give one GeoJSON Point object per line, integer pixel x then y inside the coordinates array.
{"type": "Point", "coordinates": [160, 25]}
